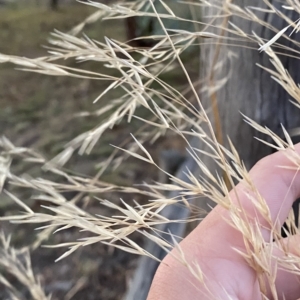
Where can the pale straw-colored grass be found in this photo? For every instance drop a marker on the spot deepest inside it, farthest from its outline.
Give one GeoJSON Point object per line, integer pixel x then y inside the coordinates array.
{"type": "Point", "coordinates": [17, 263]}
{"type": "Point", "coordinates": [170, 110]}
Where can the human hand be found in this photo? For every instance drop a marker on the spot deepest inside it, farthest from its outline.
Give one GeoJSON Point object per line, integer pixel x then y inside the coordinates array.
{"type": "Point", "coordinates": [212, 244]}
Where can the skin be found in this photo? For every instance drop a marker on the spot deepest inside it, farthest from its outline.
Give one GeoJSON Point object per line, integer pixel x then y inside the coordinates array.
{"type": "Point", "coordinates": [211, 244]}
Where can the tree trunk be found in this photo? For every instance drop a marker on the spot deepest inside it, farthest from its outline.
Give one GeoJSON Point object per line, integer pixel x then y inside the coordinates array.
{"type": "Point", "coordinates": [54, 4]}
{"type": "Point", "coordinates": [130, 24]}
{"type": "Point", "coordinates": [249, 89]}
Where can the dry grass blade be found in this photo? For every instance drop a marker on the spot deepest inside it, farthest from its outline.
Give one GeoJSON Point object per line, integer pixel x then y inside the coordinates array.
{"type": "Point", "coordinates": [17, 263]}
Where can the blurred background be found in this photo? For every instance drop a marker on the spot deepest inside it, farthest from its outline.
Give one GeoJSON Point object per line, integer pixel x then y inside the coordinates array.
{"type": "Point", "coordinates": [41, 112]}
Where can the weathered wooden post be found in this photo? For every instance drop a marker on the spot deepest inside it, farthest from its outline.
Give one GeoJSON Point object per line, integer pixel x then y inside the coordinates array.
{"type": "Point", "coordinates": [250, 89]}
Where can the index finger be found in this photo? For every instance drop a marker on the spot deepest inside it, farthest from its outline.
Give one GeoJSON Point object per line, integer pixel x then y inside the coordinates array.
{"type": "Point", "coordinates": [277, 180]}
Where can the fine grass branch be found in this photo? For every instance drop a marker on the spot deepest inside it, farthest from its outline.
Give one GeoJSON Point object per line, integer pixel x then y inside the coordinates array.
{"type": "Point", "coordinates": [138, 72]}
